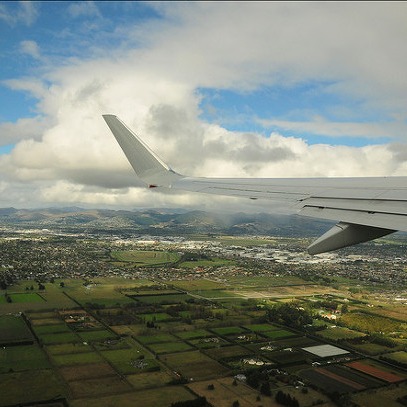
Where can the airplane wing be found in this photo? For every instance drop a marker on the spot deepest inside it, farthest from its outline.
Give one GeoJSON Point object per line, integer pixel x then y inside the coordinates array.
{"type": "Point", "coordinates": [366, 208]}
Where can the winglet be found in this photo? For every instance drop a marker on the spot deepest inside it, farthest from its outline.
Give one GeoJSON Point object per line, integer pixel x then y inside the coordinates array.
{"type": "Point", "coordinates": [148, 167]}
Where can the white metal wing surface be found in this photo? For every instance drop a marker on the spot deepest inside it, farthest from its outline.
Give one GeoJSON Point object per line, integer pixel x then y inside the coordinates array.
{"type": "Point", "coordinates": [366, 208]}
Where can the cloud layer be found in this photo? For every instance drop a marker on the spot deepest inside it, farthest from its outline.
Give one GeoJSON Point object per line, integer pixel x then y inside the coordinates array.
{"type": "Point", "coordinates": [66, 154]}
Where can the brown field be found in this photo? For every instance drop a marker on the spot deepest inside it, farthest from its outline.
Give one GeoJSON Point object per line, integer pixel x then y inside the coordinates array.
{"type": "Point", "coordinates": [194, 365]}
{"type": "Point", "coordinates": [228, 352]}
{"type": "Point", "coordinates": [341, 379]}
{"type": "Point", "coordinates": [375, 372]}
{"type": "Point", "coordinates": [225, 393]}
{"type": "Point", "coordinates": [150, 380]}
{"type": "Point", "coordinates": [45, 321]}
{"type": "Point", "coordinates": [23, 387]}
{"type": "Point", "coordinates": [91, 371]}
{"type": "Point", "coordinates": [162, 397]}
{"type": "Point", "coordinates": [381, 397]}
{"type": "Point", "coordinates": [99, 386]}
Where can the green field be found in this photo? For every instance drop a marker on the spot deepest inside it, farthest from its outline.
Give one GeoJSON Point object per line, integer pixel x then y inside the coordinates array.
{"type": "Point", "coordinates": [197, 333]}
{"type": "Point", "coordinates": [194, 365]}
{"type": "Point", "coordinates": [398, 357]}
{"type": "Point", "coordinates": [160, 397]}
{"type": "Point", "coordinates": [22, 387]}
{"type": "Point", "coordinates": [144, 258]}
{"type": "Point", "coordinates": [51, 329]}
{"type": "Point", "coordinates": [157, 338]}
{"type": "Point", "coordinates": [63, 337]}
{"type": "Point", "coordinates": [14, 329]}
{"type": "Point", "coordinates": [67, 348]}
{"type": "Point", "coordinates": [28, 297]}
{"type": "Point", "coordinates": [93, 336]}
{"type": "Point", "coordinates": [131, 361]}
{"type": "Point", "coordinates": [18, 358]}
{"type": "Point", "coordinates": [162, 299]}
{"type": "Point", "coordinates": [339, 333]}
{"type": "Point", "coordinates": [76, 359]}
{"type": "Point", "coordinates": [229, 330]}
{"type": "Point", "coordinates": [169, 347]}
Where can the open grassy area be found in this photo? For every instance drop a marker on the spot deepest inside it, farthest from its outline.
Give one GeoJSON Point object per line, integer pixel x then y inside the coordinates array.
{"type": "Point", "coordinates": [339, 333]}
{"type": "Point", "coordinates": [26, 297]}
{"type": "Point", "coordinates": [76, 359]}
{"type": "Point", "coordinates": [158, 397]}
{"type": "Point", "coordinates": [169, 347]}
{"type": "Point", "coordinates": [143, 258]}
{"type": "Point", "coordinates": [14, 329]}
{"type": "Point", "coordinates": [23, 387]}
{"type": "Point", "coordinates": [63, 337]}
{"type": "Point", "coordinates": [101, 335]}
{"type": "Point", "coordinates": [194, 365]}
{"type": "Point", "coordinates": [19, 358]}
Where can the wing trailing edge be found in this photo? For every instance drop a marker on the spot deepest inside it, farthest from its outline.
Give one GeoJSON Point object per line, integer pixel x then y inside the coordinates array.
{"type": "Point", "coordinates": [366, 208]}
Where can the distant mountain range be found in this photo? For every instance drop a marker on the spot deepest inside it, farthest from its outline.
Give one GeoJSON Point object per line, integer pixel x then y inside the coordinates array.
{"type": "Point", "coordinates": [162, 222]}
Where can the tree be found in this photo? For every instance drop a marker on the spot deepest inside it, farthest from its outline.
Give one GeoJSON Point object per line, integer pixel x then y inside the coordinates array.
{"type": "Point", "coordinates": [62, 284]}
{"type": "Point", "coordinates": [236, 403]}
{"type": "Point", "coordinates": [265, 389]}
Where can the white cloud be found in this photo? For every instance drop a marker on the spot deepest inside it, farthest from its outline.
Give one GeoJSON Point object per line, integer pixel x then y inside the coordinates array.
{"type": "Point", "coordinates": [72, 157]}
{"type": "Point", "coordinates": [30, 48]}
{"type": "Point", "coordinates": [84, 9]}
{"type": "Point", "coordinates": [26, 13]}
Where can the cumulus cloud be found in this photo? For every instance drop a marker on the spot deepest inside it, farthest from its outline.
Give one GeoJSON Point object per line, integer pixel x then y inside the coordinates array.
{"type": "Point", "coordinates": [72, 157]}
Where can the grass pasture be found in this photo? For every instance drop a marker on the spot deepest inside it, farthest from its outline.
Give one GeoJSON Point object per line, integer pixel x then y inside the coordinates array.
{"type": "Point", "coordinates": [65, 348]}
{"type": "Point", "coordinates": [278, 334]}
{"type": "Point", "coordinates": [20, 358]}
{"type": "Point", "coordinates": [13, 329]}
{"type": "Point", "coordinates": [62, 337]}
{"type": "Point", "coordinates": [26, 297]}
{"type": "Point", "coordinates": [76, 359]}
{"type": "Point", "coordinates": [24, 387]}
{"type": "Point", "coordinates": [150, 380]}
{"type": "Point", "coordinates": [339, 333]}
{"type": "Point", "coordinates": [89, 371]}
{"type": "Point", "coordinates": [228, 352]}
{"type": "Point", "coordinates": [148, 340]}
{"type": "Point", "coordinates": [399, 357]}
{"type": "Point", "coordinates": [99, 386]}
{"type": "Point", "coordinates": [194, 365]}
{"type": "Point", "coordinates": [94, 336]}
{"type": "Point", "coordinates": [169, 347]}
{"type": "Point", "coordinates": [197, 333]}
{"type": "Point", "coordinates": [229, 330]}
{"type": "Point", "coordinates": [51, 329]}
{"type": "Point", "coordinates": [161, 298]}
{"type": "Point", "coordinates": [160, 397]}
{"type": "Point", "coordinates": [197, 285]}
{"type": "Point", "coordinates": [144, 258]}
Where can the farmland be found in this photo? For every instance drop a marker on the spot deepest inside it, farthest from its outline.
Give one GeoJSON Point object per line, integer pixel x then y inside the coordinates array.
{"type": "Point", "coordinates": [179, 329]}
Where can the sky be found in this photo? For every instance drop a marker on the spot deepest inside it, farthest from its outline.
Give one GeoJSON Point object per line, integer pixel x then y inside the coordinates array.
{"type": "Point", "coordinates": [224, 89]}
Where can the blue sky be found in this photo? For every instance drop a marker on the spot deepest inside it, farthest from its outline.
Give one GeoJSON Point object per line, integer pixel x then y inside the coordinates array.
{"type": "Point", "coordinates": [233, 80]}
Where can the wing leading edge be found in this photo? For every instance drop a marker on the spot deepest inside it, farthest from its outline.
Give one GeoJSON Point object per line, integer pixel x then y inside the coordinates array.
{"type": "Point", "coordinates": [366, 208]}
